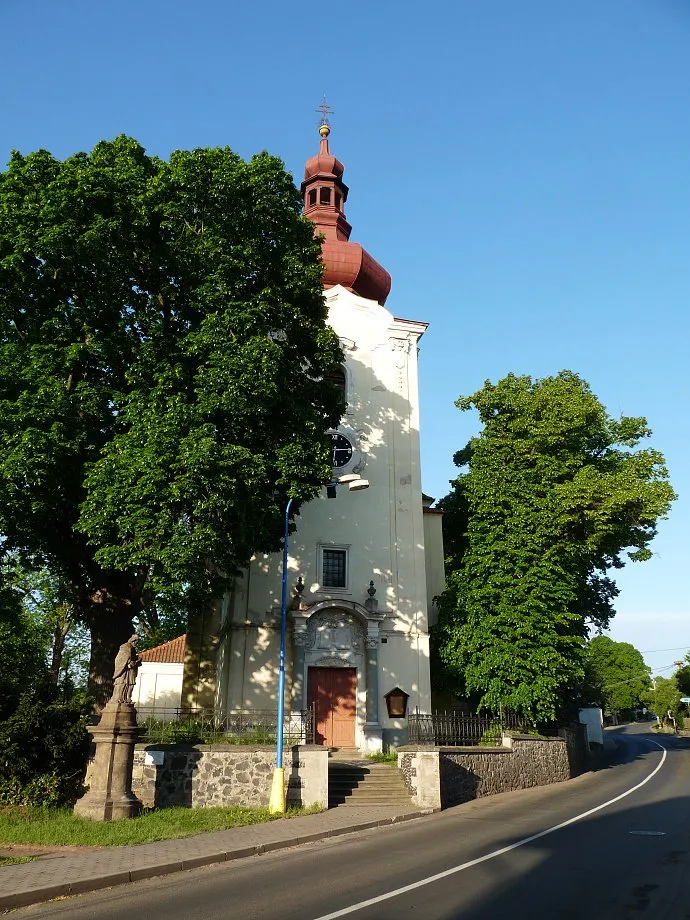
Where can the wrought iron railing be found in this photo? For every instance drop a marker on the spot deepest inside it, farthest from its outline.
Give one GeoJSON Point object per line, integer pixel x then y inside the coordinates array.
{"type": "Point", "coordinates": [177, 725]}
{"type": "Point", "coordinates": [457, 729]}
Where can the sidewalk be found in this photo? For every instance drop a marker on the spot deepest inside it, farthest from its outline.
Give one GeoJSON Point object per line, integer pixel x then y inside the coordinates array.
{"type": "Point", "coordinates": [74, 873]}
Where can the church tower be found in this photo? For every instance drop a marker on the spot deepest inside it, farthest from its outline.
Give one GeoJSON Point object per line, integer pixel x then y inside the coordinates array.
{"type": "Point", "coordinates": [360, 597]}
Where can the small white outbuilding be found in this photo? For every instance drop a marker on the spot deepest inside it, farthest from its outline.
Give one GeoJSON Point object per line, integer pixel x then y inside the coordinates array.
{"type": "Point", "coordinates": [158, 689]}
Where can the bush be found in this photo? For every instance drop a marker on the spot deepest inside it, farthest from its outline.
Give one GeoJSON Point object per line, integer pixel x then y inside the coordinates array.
{"type": "Point", "coordinates": [384, 757]}
{"type": "Point", "coordinates": [44, 746]}
{"type": "Point", "coordinates": [491, 736]}
{"type": "Point", "coordinates": [208, 731]}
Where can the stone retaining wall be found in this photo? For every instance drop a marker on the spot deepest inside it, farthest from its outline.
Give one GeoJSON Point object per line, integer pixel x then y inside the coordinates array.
{"type": "Point", "coordinates": [202, 776]}
{"type": "Point", "coordinates": [441, 777]}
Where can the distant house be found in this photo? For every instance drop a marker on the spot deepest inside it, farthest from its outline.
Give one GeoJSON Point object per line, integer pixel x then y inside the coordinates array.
{"type": "Point", "coordinates": [159, 683]}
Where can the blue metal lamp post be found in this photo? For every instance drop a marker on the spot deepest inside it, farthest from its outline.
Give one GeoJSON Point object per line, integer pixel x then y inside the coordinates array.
{"type": "Point", "coordinates": [276, 803]}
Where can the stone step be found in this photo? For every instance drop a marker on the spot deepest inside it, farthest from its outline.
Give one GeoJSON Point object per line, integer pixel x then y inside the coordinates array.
{"type": "Point", "coordinates": [395, 789]}
{"type": "Point", "coordinates": [364, 800]}
{"type": "Point", "coordinates": [365, 783]}
{"type": "Point", "coordinates": [369, 779]}
{"type": "Point", "coordinates": [361, 762]}
{"type": "Point", "coordinates": [344, 754]}
{"type": "Point", "coordinates": [355, 780]}
{"type": "Point", "coordinates": [365, 791]}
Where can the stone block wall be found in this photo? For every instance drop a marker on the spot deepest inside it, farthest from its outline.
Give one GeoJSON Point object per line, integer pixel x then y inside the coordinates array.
{"type": "Point", "coordinates": [441, 777]}
{"type": "Point", "coordinates": [203, 776]}
{"type": "Point", "coordinates": [522, 762]}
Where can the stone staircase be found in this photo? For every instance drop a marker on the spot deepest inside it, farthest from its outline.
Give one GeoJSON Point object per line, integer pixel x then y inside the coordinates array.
{"type": "Point", "coordinates": [354, 781]}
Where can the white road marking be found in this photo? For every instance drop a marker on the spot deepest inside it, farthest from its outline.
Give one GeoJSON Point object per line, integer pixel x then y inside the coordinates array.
{"type": "Point", "coordinates": [513, 846]}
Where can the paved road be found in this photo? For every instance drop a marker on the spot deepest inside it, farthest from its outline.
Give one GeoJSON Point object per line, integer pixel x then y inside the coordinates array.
{"type": "Point", "coordinates": [630, 859]}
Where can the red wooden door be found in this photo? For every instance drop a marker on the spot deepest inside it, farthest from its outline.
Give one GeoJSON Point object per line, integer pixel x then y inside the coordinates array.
{"type": "Point", "coordinates": [334, 693]}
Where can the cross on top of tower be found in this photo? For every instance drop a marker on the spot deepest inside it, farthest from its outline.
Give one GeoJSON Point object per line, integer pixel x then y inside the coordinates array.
{"type": "Point", "coordinates": [325, 126]}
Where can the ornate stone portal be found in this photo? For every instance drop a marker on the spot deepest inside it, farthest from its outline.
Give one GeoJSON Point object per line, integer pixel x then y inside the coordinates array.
{"type": "Point", "coordinates": [341, 634]}
{"type": "Point", "coordinates": [110, 793]}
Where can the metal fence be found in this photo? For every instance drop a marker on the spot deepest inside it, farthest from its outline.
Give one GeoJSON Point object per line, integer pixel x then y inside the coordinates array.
{"type": "Point", "coordinates": [161, 725]}
{"type": "Point", "coordinates": [456, 729]}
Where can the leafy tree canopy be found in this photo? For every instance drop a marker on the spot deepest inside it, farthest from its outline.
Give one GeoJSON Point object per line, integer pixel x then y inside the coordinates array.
{"type": "Point", "coordinates": [163, 361]}
{"type": "Point", "coordinates": [620, 675]}
{"type": "Point", "coordinates": [663, 697]}
{"type": "Point", "coordinates": [555, 492]}
{"type": "Point", "coordinates": [682, 676]}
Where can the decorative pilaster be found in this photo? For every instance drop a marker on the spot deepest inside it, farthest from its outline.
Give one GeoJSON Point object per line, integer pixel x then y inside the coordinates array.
{"type": "Point", "coordinates": [373, 672]}
{"type": "Point", "coordinates": [298, 658]}
{"type": "Point", "coordinates": [373, 731]}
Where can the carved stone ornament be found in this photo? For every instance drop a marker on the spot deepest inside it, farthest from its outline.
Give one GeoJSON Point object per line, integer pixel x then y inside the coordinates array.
{"type": "Point", "coordinates": [331, 662]}
{"type": "Point", "coordinates": [372, 641]}
{"type": "Point", "coordinates": [359, 466]}
{"type": "Point", "coordinates": [402, 345]}
{"type": "Point", "coordinates": [300, 637]}
{"type": "Point", "coordinates": [334, 629]}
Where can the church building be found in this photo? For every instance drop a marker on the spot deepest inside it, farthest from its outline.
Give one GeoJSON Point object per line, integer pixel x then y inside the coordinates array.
{"type": "Point", "coordinates": [364, 564]}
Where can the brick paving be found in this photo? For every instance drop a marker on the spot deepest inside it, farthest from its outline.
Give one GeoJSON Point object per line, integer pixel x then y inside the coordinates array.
{"type": "Point", "coordinates": [64, 871]}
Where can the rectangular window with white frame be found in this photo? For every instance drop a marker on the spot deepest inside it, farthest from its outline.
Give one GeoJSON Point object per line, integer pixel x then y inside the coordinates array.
{"type": "Point", "coordinates": [333, 565]}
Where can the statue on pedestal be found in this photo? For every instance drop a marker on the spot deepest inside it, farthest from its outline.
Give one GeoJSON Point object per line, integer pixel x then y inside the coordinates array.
{"type": "Point", "coordinates": [110, 793]}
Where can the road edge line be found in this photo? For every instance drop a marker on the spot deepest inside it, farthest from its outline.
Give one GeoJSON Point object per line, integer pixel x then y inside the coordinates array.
{"type": "Point", "coordinates": [429, 880]}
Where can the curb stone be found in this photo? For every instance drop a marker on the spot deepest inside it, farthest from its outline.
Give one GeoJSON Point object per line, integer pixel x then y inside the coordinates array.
{"type": "Point", "coordinates": [104, 879]}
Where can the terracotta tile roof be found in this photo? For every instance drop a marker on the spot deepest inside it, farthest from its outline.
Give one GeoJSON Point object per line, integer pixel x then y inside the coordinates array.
{"type": "Point", "coordinates": [170, 652]}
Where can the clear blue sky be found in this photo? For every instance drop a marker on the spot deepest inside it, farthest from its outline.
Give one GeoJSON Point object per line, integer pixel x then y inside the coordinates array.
{"type": "Point", "coordinates": [522, 169]}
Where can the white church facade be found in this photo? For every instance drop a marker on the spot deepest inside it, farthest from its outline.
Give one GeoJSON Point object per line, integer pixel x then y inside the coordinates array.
{"type": "Point", "coordinates": [363, 566]}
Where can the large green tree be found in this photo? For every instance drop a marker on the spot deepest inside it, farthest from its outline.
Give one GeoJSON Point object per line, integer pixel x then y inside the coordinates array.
{"type": "Point", "coordinates": [164, 355]}
{"type": "Point", "coordinates": [619, 675]}
{"type": "Point", "coordinates": [554, 492]}
{"type": "Point", "coordinates": [682, 676]}
{"type": "Point", "coordinates": [663, 697]}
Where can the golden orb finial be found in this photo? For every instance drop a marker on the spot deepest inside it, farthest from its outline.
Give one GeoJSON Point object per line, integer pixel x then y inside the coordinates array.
{"type": "Point", "coordinates": [324, 130]}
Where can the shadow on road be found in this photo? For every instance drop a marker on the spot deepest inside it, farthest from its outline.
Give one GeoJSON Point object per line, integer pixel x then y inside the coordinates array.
{"type": "Point", "coordinates": [626, 861]}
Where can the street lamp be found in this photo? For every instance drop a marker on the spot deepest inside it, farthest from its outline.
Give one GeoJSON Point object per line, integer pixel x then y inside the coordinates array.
{"type": "Point", "coordinates": [276, 803]}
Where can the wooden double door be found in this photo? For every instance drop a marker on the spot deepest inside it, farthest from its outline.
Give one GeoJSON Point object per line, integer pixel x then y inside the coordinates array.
{"type": "Point", "coordinates": [333, 692]}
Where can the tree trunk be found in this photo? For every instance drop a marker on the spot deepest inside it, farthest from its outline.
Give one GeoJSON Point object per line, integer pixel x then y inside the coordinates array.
{"type": "Point", "coordinates": [110, 625]}
{"type": "Point", "coordinates": [58, 648]}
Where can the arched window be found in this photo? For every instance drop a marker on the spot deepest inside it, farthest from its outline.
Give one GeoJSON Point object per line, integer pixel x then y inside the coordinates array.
{"type": "Point", "coordinates": [338, 378]}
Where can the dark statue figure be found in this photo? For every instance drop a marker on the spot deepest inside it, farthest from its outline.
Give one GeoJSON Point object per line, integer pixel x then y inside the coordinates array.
{"type": "Point", "coordinates": [127, 664]}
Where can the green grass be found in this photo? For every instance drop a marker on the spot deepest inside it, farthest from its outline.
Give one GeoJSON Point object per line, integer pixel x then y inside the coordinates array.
{"type": "Point", "coordinates": [61, 827]}
{"type": "Point", "coordinates": [8, 860]}
{"type": "Point", "coordinates": [380, 757]}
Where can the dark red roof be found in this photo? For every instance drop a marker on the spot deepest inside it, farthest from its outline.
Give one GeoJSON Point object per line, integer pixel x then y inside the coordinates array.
{"type": "Point", "coordinates": [170, 652]}
{"type": "Point", "coordinates": [346, 263]}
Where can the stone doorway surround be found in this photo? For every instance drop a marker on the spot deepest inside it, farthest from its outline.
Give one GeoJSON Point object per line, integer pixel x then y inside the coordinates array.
{"type": "Point", "coordinates": [341, 634]}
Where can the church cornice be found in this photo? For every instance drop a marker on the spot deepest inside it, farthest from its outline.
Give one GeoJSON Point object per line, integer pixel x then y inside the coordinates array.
{"type": "Point", "coordinates": [411, 328]}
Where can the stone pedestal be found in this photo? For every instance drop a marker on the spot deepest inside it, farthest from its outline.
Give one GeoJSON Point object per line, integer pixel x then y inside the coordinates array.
{"type": "Point", "coordinates": [110, 793]}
